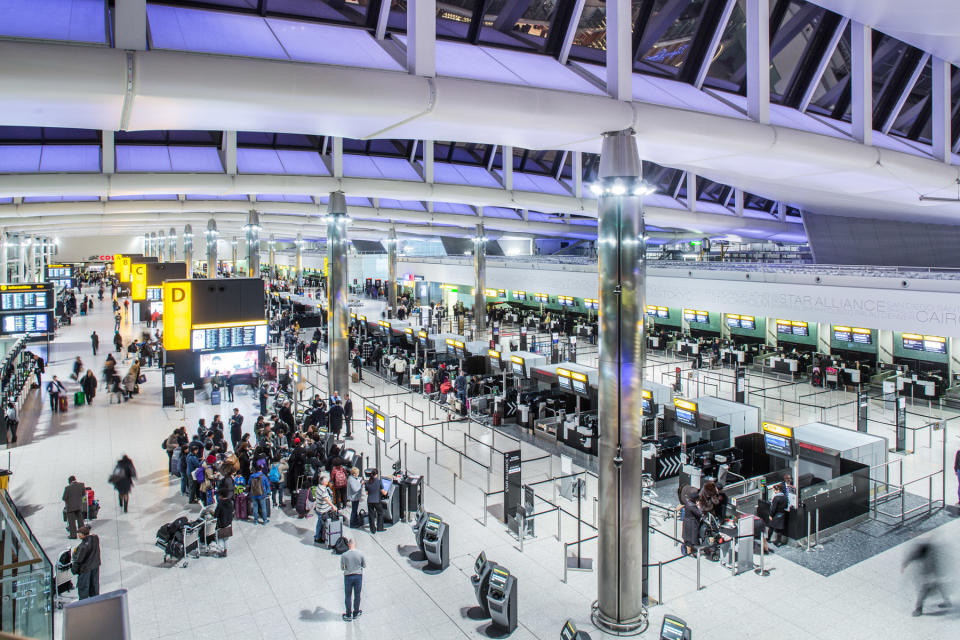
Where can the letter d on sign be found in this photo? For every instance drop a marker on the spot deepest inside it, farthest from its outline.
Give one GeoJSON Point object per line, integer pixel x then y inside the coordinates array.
{"type": "Point", "coordinates": [177, 315]}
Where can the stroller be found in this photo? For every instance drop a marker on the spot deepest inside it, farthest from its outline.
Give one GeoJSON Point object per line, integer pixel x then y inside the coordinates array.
{"type": "Point", "coordinates": [64, 577]}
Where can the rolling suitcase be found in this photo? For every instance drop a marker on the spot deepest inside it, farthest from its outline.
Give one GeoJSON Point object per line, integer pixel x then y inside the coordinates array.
{"type": "Point", "coordinates": [242, 504]}
{"type": "Point", "coordinates": [215, 396]}
{"type": "Point", "coordinates": [332, 531]}
{"type": "Point", "coordinates": [63, 403]}
{"type": "Point", "coordinates": [79, 399]}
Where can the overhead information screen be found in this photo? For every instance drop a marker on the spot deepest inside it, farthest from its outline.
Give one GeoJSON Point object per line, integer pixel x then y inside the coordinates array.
{"type": "Point", "coordinates": [646, 400]}
{"type": "Point", "coordinates": [842, 334]}
{"type": "Point", "coordinates": [520, 295]}
{"type": "Point", "coordinates": [800, 328]}
{"type": "Point", "coordinates": [451, 346]}
{"type": "Point", "coordinates": [25, 297]}
{"type": "Point", "coordinates": [565, 301]}
{"type": "Point", "coordinates": [739, 321]}
{"type": "Point", "coordinates": [563, 378]}
{"type": "Point", "coordinates": [579, 383]}
{"type": "Point", "coordinates": [228, 337]}
{"type": "Point", "coordinates": [60, 271]}
{"type": "Point", "coordinates": [692, 315]}
{"type": "Point", "coordinates": [494, 358]}
{"type": "Point", "coordinates": [747, 322]}
{"type": "Point", "coordinates": [26, 323]}
{"type": "Point", "coordinates": [423, 335]}
{"type": "Point", "coordinates": [591, 303]}
{"type": "Point", "coordinates": [778, 440]}
{"type": "Point", "coordinates": [686, 412]}
{"type": "Point", "coordinates": [516, 365]}
{"type": "Point", "coordinates": [541, 297]}
{"type": "Point", "coordinates": [913, 342]}
{"type": "Point", "coordinates": [862, 336]}
{"type": "Point", "coordinates": [934, 344]}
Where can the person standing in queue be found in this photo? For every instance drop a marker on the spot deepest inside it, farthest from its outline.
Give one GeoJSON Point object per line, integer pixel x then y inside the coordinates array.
{"type": "Point", "coordinates": [86, 564]}
{"type": "Point", "coordinates": [73, 505]}
{"type": "Point", "coordinates": [375, 501]}
{"type": "Point", "coordinates": [352, 563]}
{"type": "Point", "coordinates": [348, 419]}
{"type": "Point", "coordinates": [228, 381]}
{"type": "Point", "coordinates": [335, 418]}
{"type": "Point", "coordinates": [10, 423]}
{"type": "Point", "coordinates": [236, 428]}
{"type": "Point", "coordinates": [94, 342]}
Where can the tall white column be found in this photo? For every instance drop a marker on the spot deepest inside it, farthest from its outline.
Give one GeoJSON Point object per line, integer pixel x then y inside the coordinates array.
{"type": "Point", "coordinates": [861, 82]}
{"type": "Point", "coordinates": [941, 135]}
{"type": "Point", "coordinates": [758, 60]}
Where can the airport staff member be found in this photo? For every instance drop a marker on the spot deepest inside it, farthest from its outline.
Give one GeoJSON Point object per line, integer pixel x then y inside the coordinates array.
{"type": "Point", "coordinates": [86, 564]}
{"type": "Point", "coordinates": [352, 563]}
{"type": "Point", "coordinates": [73, 505]}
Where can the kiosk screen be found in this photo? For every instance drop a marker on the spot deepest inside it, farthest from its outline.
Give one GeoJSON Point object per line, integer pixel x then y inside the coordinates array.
{"type": "Point", "coordinates": [498, 579]}
{"type": "Point", "coordinates": [673, 629]}
{"type": "Point", "coordinates": [236, 362]}
{"type": "Point", "coordinates": [563, 379]}
{"type": "Point", "coordinates": [480, 563]}
{"type": "Point", "coordinates": [494, 358]}
{"type": "Point", "coordinates": [517, 368]}
{"type": "Point", "coordinates": [25, 323]}
{"type": "Point", "coordinates": [686, 417]}
{"type": "Point", "coordinates": [842, 334]}
{"type": "Point", "coordinates": [912, 342]}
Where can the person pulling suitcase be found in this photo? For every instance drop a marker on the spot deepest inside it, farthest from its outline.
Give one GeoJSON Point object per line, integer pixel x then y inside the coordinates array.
{"type": "Point", "coordinates": [323, 505]}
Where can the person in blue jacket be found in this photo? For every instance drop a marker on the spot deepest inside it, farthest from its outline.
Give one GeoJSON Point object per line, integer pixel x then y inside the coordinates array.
{"type": "Point", "coordinates": [193, 463]}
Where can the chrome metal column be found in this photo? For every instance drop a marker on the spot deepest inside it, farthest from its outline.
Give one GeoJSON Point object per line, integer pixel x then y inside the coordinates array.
{"type": "Point", "coordinates": [253, 243]}
{"type": "Point", "coordinates": [479, 283]}
{"type": "Point", "coordinates": [146, 244]}
{"type": "Point", "coordinates": [299, 243]}
{"type": "Point", "coordinates": [212, 234]}
{"type": "Point", "coordinates": [154, 244]}
{"type": "Point", "coordinates": [188, 248]}
{"type": "Point", "coordinates": [233, 254]}
{"type": "Point", "coordinates": [31, 260]}
{"type": "Point", "coordinates": [392, 272]}
{"type": "Point", "coordinates": [161, 246]}
{"type": "Point", "coordinates": [338, 313]}
{"type": "Point", "coordinates": [620, 236]}
{"type": "Point", "coordinates": [172, 245]}
{"type": "Point", "coordinates": [273, 256]}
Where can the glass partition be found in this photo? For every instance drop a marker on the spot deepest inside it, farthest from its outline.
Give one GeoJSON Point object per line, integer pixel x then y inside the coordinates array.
{"type": "Point", "coordinates": [26, 578]}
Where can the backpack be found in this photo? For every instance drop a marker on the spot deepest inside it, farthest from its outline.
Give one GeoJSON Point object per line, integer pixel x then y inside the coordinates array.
{"type": "Point", "coordinates": [163, 445]}
{"type": "Point", "coordinates": [339, 477]}
{"type": "Point", "coordinates": [274, 474]}
{"type": "Point", "coordinates": [340, 547]}
{"type": "Point", "coordinates": [198, 474]}
{"type": "Point", "coordinates": [256, 486]}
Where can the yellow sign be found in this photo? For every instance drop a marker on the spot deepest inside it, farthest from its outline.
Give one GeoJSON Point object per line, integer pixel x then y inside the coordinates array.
{"type": "Point", "coordinates": [362, 318]}
{"type": "Point", "coordinates": [490, 293]}
{"type": "Point", "coordinates": [934, 339]}
{"type": "Point", "coordinates": [423, 334]}
{"type": "Point", "coordinates": [912, 336]}
{"type": "Point", "coordinates": [680, 403]}
{"type": "Point", "coordinates": [326, 267]}
{"type": "Point", "coordinates": [862, 331]}
{"type": "Point", "coordinates": [138, 282]}
{"type": "Point", "coordinates": [458, 344]}
{"type": "Point", "coordinates": [778, 429]}
{"type": "Point", "coordinates": [125, 269]}
{"type": "Point", "coordinates": [838, 327]}
{"type": "Point", "coordinates": [516, 359]}
{"type": "Point", "coordinates": [177, 315]}
{"type": "Point", "coordinates": [228, 325]}
{"type": "Point", "coordinates": [353, 315]}
{"type": "Point", "coordinates": [563, 373]}
{"type": "Point", "coordinates": [646, 394]}
{"type": "Point", "coordinates": [493, 354]}
{"type": "Point", "coordinates": [579, 377]}
{"type": "Point", "coordinates": [384, 324]}
{"type": "Point", "coordinates": [117, 259]}
{"type": "Point", "coordinates": [747, 318]}
{"type": "Point", "coordinates": [449, 341]}
{"type": "Point", "coordinates": [409, 331]}
{"type": "Point", "coordinates": [23, 287]}
{"type": "Point", "coordinates": [798, 323]}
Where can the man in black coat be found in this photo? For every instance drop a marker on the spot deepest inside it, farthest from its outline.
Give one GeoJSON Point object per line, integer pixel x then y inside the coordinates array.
{"type": "Point", "coordinates": [86, 564]}
{"type": "Point", "coordinates": [348, 415]}
{"type": "Point", "coordinates": [236, 428]}
{"type": "Point", "coordinates": [335, 419]}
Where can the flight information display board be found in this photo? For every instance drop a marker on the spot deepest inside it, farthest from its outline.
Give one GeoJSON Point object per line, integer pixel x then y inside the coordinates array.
{"type": "Point", "coordinates": [228, 337]}
{"type": "Point", "coordinates": [862, 336]}
{"type": "Point", "coordinates": [520, 295]}
{"type": "Point", "coordinates": [563, 379]}
{"type": "Point", "coordinates": [26, 323]}
{"type": "Point", "coordinates": [913, 342]}
{"type": "Point", "coordinates": [692, 315]}
{"type": "Point", "coordinates": [842, 334]}
{"type": "Point", "coordinates": [778, 440]}
{"type": "Point", "coordinates": [25, 297]}
{"type": "Point", "coordinates": [591, 303]}
{"type": "Point", "coordinates": [930, 344]}
{"type": "Point", "coordinates": [59, 271]}
{"type": "Point", "coordinates": [686, 412]}
{"type": "Point", "coordinates": [154, 293]}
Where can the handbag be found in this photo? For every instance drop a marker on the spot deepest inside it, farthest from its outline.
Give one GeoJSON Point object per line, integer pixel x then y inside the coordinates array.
{"type": "Point", "coordinates": [225, 532]}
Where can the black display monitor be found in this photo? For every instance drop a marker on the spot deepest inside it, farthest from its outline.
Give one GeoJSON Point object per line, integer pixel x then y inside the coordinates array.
{"type": "Point", "coordinates": [801, 330]}
{"type": "Point", "coordinates": [33, 300]}
{"type": "Point", "coordinates": [517, 368]}
{"type": "Point", "coordinates": [747, 323]}
{"type": "Point", "coordinates": [481, 563]}
{"type": "Point", "coordinates": [778, 445]}
{"type": "Point", "coordinates": [663, 312]}
{"type": "Point", "coordinates": [862, 336]}
{"type": "Point", "coordinates": [703, 317]}
{"type": "Point", "coordinates": [564, 382]}
{"type": "Point", "coordinates": [27, 323]}
{"type": "Point", "coordinates": [154, 293]}
{"type": "Point", "coordinates": [912, 342]}
{"type": "Point", "coordinates": [733, 322]}
{"type": "Point", "coordinates": [784, 328]}
{"type": "Point", "coordinates": [934, 346]}
{"type": "Point", "coordinates": [579, 387]}
{"type": "Point", "coordinates": [842, 334]}
{"type": "Point", "coordinates": [686, 417]}
{"type": "Point", "coordinates": [498, 578]}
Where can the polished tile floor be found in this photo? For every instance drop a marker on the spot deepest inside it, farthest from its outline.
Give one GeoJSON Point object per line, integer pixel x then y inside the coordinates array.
{"type": "Point", "coordinates": [276, 584]}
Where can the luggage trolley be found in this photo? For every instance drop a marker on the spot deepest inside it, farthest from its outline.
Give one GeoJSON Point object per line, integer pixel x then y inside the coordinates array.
{"type": "Point", "coordinates": [64, 578]}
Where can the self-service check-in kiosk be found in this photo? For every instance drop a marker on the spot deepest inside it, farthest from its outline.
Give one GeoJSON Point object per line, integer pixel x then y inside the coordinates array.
{"type": "Point", "coordinates": [502, 599]}
{"type": "Point", "coordinates": [673, 628]}
{"type": "Point", "coordinates": [436, 542]}
{"type": "Point", "coordinates": [481, 581]}
{"type": "Point", "coordinates": [393, 507]}
{"type": "Point", "coordinates": [521, 365]}
{"type": "Point", "coordinates": [418, 528]}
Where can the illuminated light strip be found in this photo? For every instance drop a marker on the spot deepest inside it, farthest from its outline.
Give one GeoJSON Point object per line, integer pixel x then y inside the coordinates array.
{"type": "Point", "coordinates": [230, 325]}
{"type": "Point", "coordinates": [862, 331]}
{"type": "Point", "coordinates": [563, 373]}
{"type": "Point", "coordinates": [911, 336]}
{"type": "Point", "coordinates": [646, 393]}
{"type": "Point", "coordinates": [516, 359]}
{"type": "Point", "coordinates": [934, 338]}
{"type": "Point", "coordinates": [680, 403]}
{"type": "Point", "coordinates": [579, 377]}
{"type": "Point", "coordinates": [778, 429]}
{"type": "Point", "coordinates": [493, 354]}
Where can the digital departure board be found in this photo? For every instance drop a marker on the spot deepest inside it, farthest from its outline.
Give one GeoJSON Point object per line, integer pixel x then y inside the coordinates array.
{"type": "Point", "coordinates": [784, 326]}
{"type": "Point", "coordinates": [563, 378]}
{"type": "Point", "coordinates": [154, 293]}
{"type": "Point", "coordinates": [25, 300]}
{"type": "Point", "coordinates": [59, 271]}
{"type": "Point", "coordinates": [591, 303]}
{"type": "Point", "coordinates": [748, 323]}
{"type": "Point", "coordinates": [541, 297]}
{"type": "Point", "coordinates": [800, 328]}
{"type": "Point", "coordinates": [862, 336]}
{"type": "Point", "coordinates": [912, 341]}
{"type": "Point", "coordinates": [692, 315]}
{"type": "Point", "coordinates": [565, 301]}
{"type": "Point", "coordinates": [934, 344]}
{"type": "Point", "coordinates": [733, 320]}
{"type": "Point", "coordinates": [204, 339]}
{"type": "Point", "coordinates": [842, 334]}
{"type": "Point", "coordinates": [520, 295]}
{"type": "Point", "coordinates": [26, 323]}
{"type": "Point", "coordinates": [61, 283]}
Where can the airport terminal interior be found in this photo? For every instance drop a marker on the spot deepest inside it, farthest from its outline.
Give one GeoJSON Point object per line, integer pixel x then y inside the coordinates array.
{"type": "Point", "coordinates": [521, 319]}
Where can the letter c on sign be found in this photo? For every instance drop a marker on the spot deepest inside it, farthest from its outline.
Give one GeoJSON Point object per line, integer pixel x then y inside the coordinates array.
{"type": "Point", "coordinates": [178, 295]}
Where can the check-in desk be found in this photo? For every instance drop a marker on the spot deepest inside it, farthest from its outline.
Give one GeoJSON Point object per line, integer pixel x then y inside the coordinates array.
{"type": "Point", "coordinates": [787, 366]}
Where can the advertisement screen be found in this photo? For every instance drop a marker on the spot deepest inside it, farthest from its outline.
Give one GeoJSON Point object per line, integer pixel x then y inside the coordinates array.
{"type": "Point", "coordinates": [234, 362]}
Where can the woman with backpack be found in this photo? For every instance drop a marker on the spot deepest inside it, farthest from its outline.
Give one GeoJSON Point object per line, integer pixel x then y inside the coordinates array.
{"type": "Point", "coordinates": [124, 473]}
{"type": "Point", "coordinates": [339, 475]}
{"type": "Point", "coordinates": [276, 475]}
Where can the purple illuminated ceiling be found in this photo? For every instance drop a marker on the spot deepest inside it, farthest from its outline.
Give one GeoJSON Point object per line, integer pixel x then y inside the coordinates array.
{"type": "Point", "coordinates": [281, 161]}
{"type": "Point", "coordinates": [355, 166]}
{"type": "Point", "coordinates": [73, 20]}
{"type": "Point", "coordinates": [159, 158]}
{"type": "Point", "coordinates": [49, 158]}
